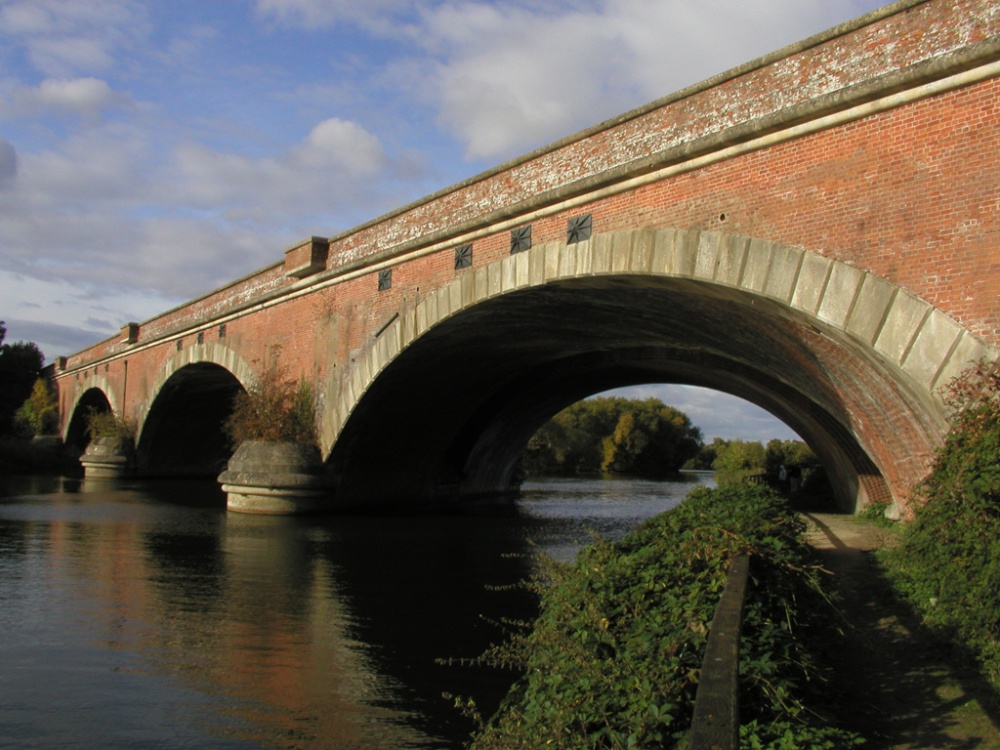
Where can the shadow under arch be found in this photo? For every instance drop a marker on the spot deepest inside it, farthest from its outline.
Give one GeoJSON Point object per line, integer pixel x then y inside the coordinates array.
{"type": "Point", "coordinates": [181, 427]}
{"type": "Point", "coordinates": [444, 399]}
{"type": "Point", "coordinates": [95, 396]}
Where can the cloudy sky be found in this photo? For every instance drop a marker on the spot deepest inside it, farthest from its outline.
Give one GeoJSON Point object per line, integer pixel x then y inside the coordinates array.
{"type": "Point", "coordinates": [152, 150]}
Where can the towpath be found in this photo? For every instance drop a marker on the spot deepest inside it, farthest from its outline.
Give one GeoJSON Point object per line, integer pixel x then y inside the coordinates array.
{"type": "Point", "coordinates": [902, 687]}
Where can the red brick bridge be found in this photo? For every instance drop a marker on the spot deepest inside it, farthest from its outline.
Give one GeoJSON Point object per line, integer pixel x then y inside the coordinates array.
{"type": "Point", "coordinates": [817, 231]}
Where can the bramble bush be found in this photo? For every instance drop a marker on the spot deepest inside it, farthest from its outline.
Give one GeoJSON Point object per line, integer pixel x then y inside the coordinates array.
{"type": "Point", "coordinates": [104, 423]}
{"type": "Point", "coordinates": [274, 409]}
{"type": "Point", "coordinates": [614, 657]}
{"type": "Point", "coordinates": [948, 564]}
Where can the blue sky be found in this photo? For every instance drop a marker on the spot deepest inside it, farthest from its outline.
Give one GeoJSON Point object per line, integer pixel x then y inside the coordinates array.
{"type": "Point", "coordinates": [152, 150]}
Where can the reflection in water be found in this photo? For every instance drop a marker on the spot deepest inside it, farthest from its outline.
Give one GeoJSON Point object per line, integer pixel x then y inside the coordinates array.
{"type": "Point", "coordinates": [144, 614]}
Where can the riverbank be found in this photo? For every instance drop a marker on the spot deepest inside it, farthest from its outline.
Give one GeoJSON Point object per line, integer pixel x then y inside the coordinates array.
{"type": "Point", "coordinates": [903, 686]}
{"type": "Point", "coordinates": [40, 456]}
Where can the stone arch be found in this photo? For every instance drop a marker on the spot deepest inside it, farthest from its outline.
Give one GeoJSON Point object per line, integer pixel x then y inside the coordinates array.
{"type": "Point", "coordinates": [211, 353]}
{"type": "Point", "coordinates": [84, 394]}
{"type": "Point", "coordinates": [92, 390]}
{"type": "Point", "coordinates": [181, 429]}
{"type": "Point", "coordinates": [904, 346]}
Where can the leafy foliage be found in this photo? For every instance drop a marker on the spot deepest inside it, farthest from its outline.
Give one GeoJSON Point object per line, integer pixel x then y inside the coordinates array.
{"type": "Point", "coordinates": [20, 364]}
{"type": "Point", "coordinates": [39, 414]}
{"type": "Point", "coordinates": [274, 409]}
{"type": "Point", "coordinates": [735, 460]}
{"type": "Point", "coordinates": [738, 459]}
{"type": "Point", "coordinates": [102, 423]}
{"type": "Point", "coordinates": [948, 564]}
{"type": "Point", "coordinates": [614, 657]}
{"type": "Point", "coordinates": [615, 435]}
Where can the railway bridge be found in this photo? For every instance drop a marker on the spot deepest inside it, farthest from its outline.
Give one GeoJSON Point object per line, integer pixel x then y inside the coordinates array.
{"type": "Point", "coordinates": [817, 231]}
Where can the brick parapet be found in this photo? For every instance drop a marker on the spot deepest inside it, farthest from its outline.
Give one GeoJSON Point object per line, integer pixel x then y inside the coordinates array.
{"type": "Point", "coordinates": [890, 49]}
{"type": "Point", "coordinates": [883, 52]}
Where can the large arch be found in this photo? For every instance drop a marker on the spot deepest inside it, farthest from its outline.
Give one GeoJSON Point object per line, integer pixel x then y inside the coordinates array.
{"type": "Point", "coordinates": [446, 395]}
{"type": "Point", "coordinates": [181, 421]}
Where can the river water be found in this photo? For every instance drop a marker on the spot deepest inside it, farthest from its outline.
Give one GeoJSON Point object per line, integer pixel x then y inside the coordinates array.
{"type": "Point", "coordinates": [143, 615]}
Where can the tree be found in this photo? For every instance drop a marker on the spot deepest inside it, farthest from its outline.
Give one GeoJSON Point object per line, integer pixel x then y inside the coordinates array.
{"type": "Point", "coordinates": [738, 460]}
{"type": "Point", "coordinates": [20, 364]}
{"type": "Point", "coordinates": [788, 453]}
{"type": "Point", "coordinates": [618, 435]}
{"type": "Point", "coordinates": [39, 414]}
{"type": "Point", "coordinates": [649, 439]}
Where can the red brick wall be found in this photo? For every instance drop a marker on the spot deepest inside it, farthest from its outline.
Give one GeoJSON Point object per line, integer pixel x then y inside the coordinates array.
{"type": "Point", "coordinates": [909, 194]}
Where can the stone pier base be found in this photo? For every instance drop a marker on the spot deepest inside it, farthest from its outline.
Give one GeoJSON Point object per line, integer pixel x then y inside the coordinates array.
{"type": "Point", "coordinates": [276, 479]}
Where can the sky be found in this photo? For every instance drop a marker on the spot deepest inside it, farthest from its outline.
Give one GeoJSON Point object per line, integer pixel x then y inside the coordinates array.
{"type": "Point", "coordinates": [154, 150]}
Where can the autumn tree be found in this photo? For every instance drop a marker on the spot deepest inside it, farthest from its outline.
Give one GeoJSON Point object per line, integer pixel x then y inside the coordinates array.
{"type": "Point", "coordinates": [39, 414]}
{"type": "Point", "coordinates": [649, 439]}
{"type": "Point", "coordinates": [617, 435]}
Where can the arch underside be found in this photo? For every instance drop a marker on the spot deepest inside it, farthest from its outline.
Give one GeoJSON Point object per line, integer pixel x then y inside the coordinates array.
{"type": "Point", "coordinates": [444, 406]}
{"type": "Point", "coordinates": [454, 410]}
{"type": "Point", "coordinates": [92, 399]}
{"type": "Point", "coordinates": [182, 433]}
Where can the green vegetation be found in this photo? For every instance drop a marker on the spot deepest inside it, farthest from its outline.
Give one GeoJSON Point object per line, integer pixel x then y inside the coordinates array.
{"type": "Point", "coordinates": [20, 364]}
{"type": "Point", "coordinates": [613, 435]}
{"type": "Point", "coordinates": [614, 657]}
{"type": "Point", "coordinates": [275, 409]}
{"type": "Point", "coordinates": [736, 460]}
{"type": "Point", "coordinates": [27, 409]}
{"type": "Point", "coordinates": [107, 424]}
{"type": "Point", "coordinates": [948, 564]}
{"type": "Point", "coordinates": [39, 414]}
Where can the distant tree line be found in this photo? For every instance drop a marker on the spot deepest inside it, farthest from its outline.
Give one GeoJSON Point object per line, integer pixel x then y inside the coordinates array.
{"type": "Point", "coordinates": [613, 435]}
{"type": "Point", "coordinates": [647, 438]}
{"type": "Point", "coordinates": [743, 458]}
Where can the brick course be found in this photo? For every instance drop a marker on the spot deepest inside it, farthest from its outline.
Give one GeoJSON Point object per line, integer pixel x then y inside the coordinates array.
{"type": "Point", "coordinates": [908, 195]}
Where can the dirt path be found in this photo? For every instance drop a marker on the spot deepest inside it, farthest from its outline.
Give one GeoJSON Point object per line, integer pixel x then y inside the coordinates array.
{"type": "Point", "coordinates": [902, 687]}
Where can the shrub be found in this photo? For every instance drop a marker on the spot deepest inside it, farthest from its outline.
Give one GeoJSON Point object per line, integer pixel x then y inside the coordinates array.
{"type": "Point", "coordinates": [274, 409]}
{"type": "Point", "coordinates": [948, 564]}
{"type": "Point", "coordinates": [614, 657]}
{"type": "Point", "coordinates": [101, 424]}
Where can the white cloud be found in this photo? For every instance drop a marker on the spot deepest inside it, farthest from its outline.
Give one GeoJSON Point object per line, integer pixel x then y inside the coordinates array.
{"type": "Point", "coordinates": [343, 146]}
{"type": "Point", "coordinates": [112, 212]}
{"type": "Point", "coordinates": [8, 164]}
{"type": "Point", "coordinates": [65, 37]}
{"type": "Point", "coordinates": [62, 316]}
{"type": "Point", "coordinates": [85, 97]}
{"type": "Point", "coordinates": [326, 13]}
{"type": "Point", "coordinates": [511, 76]}
{"type": "Point", "coordinates": [339, 161]}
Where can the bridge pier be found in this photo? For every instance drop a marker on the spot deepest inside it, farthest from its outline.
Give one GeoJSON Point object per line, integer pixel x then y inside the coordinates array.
{"type": "Point", "coordinates": [275, 479]}
{"type": "Point", "coordinates": [108, 458]}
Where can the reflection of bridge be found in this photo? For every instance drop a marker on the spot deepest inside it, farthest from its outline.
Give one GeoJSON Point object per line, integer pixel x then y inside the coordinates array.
{"type": "Point", "coordinates": [816, 232]}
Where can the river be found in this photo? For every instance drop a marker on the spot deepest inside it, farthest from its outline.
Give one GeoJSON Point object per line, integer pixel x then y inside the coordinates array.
{"type": "Point", "coordinates": [143, 615]}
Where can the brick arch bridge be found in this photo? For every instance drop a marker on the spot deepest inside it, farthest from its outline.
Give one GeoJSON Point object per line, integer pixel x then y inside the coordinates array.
{"type": "Point", "coordinates": [816, 231]}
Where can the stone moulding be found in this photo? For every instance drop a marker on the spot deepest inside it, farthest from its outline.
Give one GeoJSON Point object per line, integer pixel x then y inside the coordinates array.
{"type": "Point", "coordinates": [921, 345]}
{"type": "Point", "coordinates": [108, 458]}
{"type": "Point", "coordinates": [275, 479]}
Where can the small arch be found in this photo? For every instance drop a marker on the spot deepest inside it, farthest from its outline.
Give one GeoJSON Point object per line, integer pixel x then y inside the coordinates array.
{"type": "Point", "coordinates": [183, 434]}
{"type": "Point", "coordinates": [210, 353]}
{"type": "Point", "coordinates": [95, 395]}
